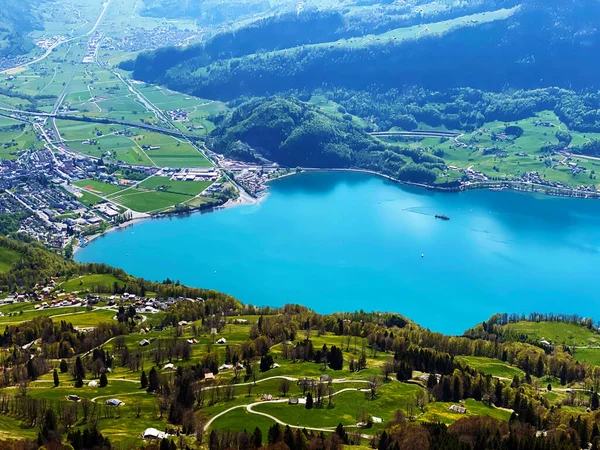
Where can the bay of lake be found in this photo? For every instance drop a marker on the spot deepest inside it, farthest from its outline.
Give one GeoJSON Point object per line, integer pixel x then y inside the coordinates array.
{"type": "Point", "coordinates": [336, 241]}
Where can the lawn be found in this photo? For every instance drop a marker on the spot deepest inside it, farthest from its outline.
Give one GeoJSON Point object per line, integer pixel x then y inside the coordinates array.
{"type": "Point", "coordinates": [556, 332]}
{"type": "Point", "coordinates": [345, 406]}
{"type": "Point", "coordinates": [7, 258]}
{"type": "Point", "coordinates": [240, 419]}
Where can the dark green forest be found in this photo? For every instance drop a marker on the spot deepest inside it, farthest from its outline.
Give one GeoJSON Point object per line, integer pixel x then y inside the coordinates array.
{"type": "Point", "coordinates": [542, 44]}
{"type": "Point", "coordinates": [294, 133]}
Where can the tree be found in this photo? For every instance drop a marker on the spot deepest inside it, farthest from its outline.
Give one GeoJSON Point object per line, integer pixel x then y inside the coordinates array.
{"type": "Point", "coordinates": [309, 401]}
{"type": "Point", "coordinates": [257, 438]}
{"type": "Point", "coordinates": [341, 432]}
{"type": "Point", "coordinates": [79, 370]}
{"type": "Point", "coordinates": [387, 368]}
{"type": "Point", "coordinates": [374, 383]}
{"type": "Point", "coordinates": [274, 435]}
{"type": "Point", "coordinates": [284, 386]}
{"type": "Point", "coordinates": [595, 403]}
{"type": "Point", "coordinates": [49, 431]}
{"type": "Point", "coordinates": [64, 366]}
{"type": "Point", "coordinates": [103, 380]}
{"type": "Point", "coordinates": [152, 380]}
{"type": "Point", "coordinates": [144, 380]}
{"type": "Point", "coordinates": [56, 380]}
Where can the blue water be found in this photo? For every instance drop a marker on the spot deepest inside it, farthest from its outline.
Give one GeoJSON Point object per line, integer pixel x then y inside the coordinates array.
{"type": "Point", "coordinates": [348, 241]}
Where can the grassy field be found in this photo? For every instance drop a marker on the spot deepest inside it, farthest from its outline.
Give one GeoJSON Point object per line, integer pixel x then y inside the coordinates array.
{"type": "Point", "coordinates": [491, 366]}
{"type": "Point", "coordinates": [588, 355]}
{"type": "Point", "coordinates": [7, 258]}
{"type": "Point", "coordinates": [557, 332]}
{"type": "Point", "coordinates": [98, 187]}
{"type": "Point", "coordinates": [90, 281]}
{"type": "Point", "coordinates": [150, 201]}
{"type": "Point", "coordinates": [439, 411]}
{"type": "Point", "coordinates": [175, 186]}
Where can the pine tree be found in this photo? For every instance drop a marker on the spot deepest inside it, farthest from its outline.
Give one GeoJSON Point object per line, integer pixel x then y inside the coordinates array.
{"type": "Point", "coordinates": [79, 370]}
{"type": "Point", "coordinates": [339, 430]}
{"type": "Point", "coordinates": [309, 401]}
{"type": "Point", "coordinates": [152, 380]}
{"type": "Point", "coordinates": [64, 366]}
{"type": "Point", "coordinates": [144, 380]}
{"type": "Point", "coordinates": [56, 381]}
{"type": "Point", "coordinates": [257, 438]}
{"type": "Point", "coordinates": [274, 435]}
{"type": "Point", "coordinates": [288, 438]}
{"type": "Point", "coordinates": [595, 401]}
{"type": "Point", "coordinates": [103, 380]}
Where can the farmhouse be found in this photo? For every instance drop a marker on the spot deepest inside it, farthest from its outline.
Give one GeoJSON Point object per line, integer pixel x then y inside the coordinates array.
{"type": "Point", "coordinates": [458, 409]}
{"type": "Point", "coordinates": [153, 433]}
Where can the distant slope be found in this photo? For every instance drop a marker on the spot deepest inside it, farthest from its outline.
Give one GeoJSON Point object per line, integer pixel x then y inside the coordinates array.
{"type": "Point", "coordinates": [540, 44]}
{"type": "Point", "coordinates": [206, 12]}
{"type": "Point", "coordinates": [17, 19]}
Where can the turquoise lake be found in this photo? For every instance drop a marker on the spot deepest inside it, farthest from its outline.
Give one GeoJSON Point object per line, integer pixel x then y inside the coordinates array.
{"type": "Point", "coordinates": [348, 241]}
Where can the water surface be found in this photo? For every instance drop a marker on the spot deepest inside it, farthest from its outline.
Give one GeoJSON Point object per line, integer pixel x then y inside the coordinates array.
{"type": "Point", "coordinates": [348, 241]}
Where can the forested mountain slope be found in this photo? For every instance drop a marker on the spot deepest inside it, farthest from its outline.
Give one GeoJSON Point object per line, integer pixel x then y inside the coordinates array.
{"type": "Point", "coordinates": [17, 19]}
{"type": "Point", "coordinates": [294, 133]}
{"type": "Point", "coordinates": [534, 45]}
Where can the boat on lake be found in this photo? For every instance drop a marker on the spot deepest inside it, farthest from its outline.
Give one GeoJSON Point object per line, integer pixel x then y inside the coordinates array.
{"type": "Point", "coordinates": [442, 217]}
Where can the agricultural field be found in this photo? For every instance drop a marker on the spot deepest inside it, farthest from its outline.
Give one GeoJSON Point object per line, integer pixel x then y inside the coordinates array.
{"type": "Point", "coordinates": [166, 151]}
{"type": "Point", "coordinates": [14, 138]}
{"type": "Point", "coordinates": [514, 156]}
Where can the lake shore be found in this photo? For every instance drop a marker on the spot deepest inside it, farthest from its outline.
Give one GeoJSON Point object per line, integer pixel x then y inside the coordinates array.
{"type": "Point", "coordinates": [246, 199]}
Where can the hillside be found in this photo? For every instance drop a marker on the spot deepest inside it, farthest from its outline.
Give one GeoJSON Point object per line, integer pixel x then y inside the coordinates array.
{"type": "Point", "coordinates": [535, 44]}
{"type": "Point", "coordinates": [204, 367]}
{"type": "Point", "coordinates": [293, 133]}
{"type": "Point", "coordinates": [17, 19]}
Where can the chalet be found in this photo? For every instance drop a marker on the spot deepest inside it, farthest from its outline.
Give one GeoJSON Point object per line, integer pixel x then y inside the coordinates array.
{"type": "Point", "coordinates": [114, 402]}
{"type": "Point", "coordinates": [144, 342]}
{"type": "Point", "coordinates": [293, 401]}
{"type": "Point", "coordinates": [221, 341]}
{"type": "Point", "coordinates": [209, 376]}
